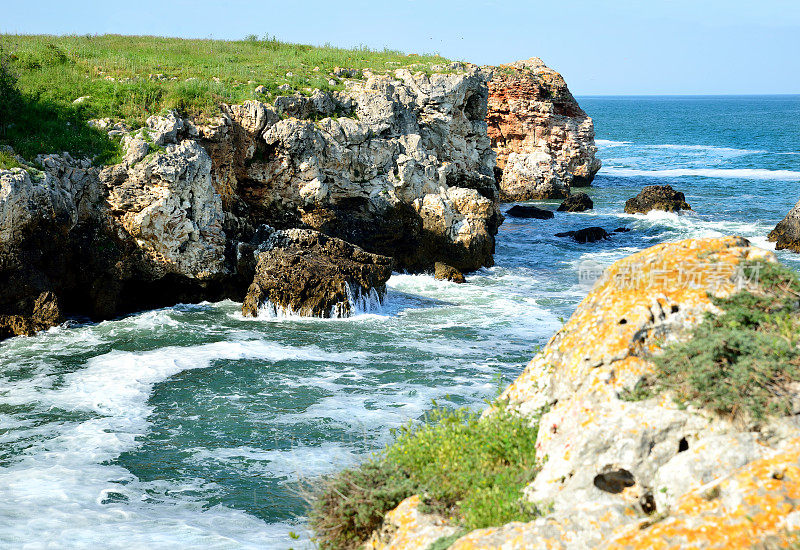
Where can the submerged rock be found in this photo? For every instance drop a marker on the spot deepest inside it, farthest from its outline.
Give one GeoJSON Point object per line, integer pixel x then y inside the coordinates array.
{"type": "Point", "coordinates": [311, 274]}
{"type": "Point", "coordinates": [522, 211]}
{"type": "Point", "coordinates": [543, 139]}
{"type": "Point", "coordinates": [445, 272]}
{"type": "Point", "coordinates": [586, 235]}
{"type": "Point", "coordinates": [786, 234]}
{"type": "Point", "coordinates": [579, 202]}
{"type": "Point", "coordinates": [656, 197]}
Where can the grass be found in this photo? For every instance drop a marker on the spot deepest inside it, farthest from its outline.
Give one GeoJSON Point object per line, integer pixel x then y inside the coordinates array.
{"type": "Point", "coordinates": [467, 469]}
{"type": "Point", "coordinates": [132, 77]}
{"type": "Point", "coordinates": [740, 364]}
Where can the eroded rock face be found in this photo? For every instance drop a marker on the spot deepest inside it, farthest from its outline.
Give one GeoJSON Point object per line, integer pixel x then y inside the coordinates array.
{"type": "Point", "coordinates": [543, 139]}
{"type": "Point", "coordinates": [640, 474]}
{"type": "Point", "coordinates": [656, 197]}
{"type": "Point", "coordinates": [303, 271]}
{"type": "Point", "coordinates": [409, 175]}
{"type": "Point", "coordinates": [786, 234]}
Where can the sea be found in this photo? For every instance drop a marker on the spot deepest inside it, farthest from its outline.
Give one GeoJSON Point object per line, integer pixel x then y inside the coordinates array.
{"type": "Point", "coordinates": [193, 427]}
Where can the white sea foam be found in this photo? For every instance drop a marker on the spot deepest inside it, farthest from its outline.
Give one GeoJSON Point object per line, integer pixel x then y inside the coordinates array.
{"type": "Point", "coordinates": [611, 143]}
{"type": "Point", "coordinates": [729, 173]}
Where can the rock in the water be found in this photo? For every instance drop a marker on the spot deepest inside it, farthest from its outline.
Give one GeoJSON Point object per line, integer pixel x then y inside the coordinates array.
{"type": "Point", "coordinates": [786, 234]}
{"type": "Point", "coordinates": [543, 139]}
{"type": "Point", "coordinates": [622, 230]}
{"type": "Point", "coordinates": [522, 211]}
{"type": "Point", "coordinates": [586, 235]}
{"type": "Point", "coordinates": [29, 319]}
{"type": "Point", "coordinates": [577, 202]}
{"type": "Point", "coordinates": [308, 273]}
{"type": "Point", "coordinates": [656, 197]}
{"type": "Point", "coordinates": [446, 272]}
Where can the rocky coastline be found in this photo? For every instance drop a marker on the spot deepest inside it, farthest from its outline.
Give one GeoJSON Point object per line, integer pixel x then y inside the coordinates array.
{"type": "Point", "coordinates": [402, 166]}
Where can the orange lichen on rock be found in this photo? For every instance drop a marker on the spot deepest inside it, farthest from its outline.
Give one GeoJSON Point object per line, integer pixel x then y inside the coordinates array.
{"type": "Point", "coordinates": [757, 504]}
{"type": "Point", "coordinates": [654, 294]}
{"type": "Point", "coordinates": [407, 528]}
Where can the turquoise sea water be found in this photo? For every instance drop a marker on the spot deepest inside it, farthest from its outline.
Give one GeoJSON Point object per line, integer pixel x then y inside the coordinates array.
{"type": "Point", "coordinates": [191, 426]}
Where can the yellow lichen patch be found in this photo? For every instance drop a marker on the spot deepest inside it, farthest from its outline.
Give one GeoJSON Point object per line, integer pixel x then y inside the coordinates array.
{"type": "Point", "coordinates": [407, 528]}
{"type": "Point", "coordinates": [740, 511]}
{"type": "Point", "coordinates": [640, 298]}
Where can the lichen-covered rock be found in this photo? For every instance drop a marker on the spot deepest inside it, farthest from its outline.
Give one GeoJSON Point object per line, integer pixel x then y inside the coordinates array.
{"type": "Point", "coordinates": [446, 272]}
{"type": "Point", "coordinates": [308, 273]}
{"type": "Point", "coordinates": [622, 473]}
{"type": "Point", "coordinates": [786, 234]}
{"type": "Point", "coordinates": [578, 202]}
{"type": "Point", "coordinates": [406, 528]}
{"type": "Point", "coordinates": [656, 197]}
{"type": "Point", "coordinates": [543, 139]}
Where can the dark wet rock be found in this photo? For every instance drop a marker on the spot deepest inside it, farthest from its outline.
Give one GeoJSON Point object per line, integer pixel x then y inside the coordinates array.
{"type": "Point", "coordinates": [622, 230]}
{"type": "Point", "coordinates": [446, 272]}
{"type": "Point", "coordinates": [656, 197]}
{"type": "Point", "coordinates": [41, 314]}
{"type": "Point", "coordinates": [786, 234]}
{"type": "Point", "coordinates": [579, 202]}
{"type": "Point", "coordinates": [312, 274]}
{"type": "Point", "coordinates": [520, 211]}
{"type": "Point", "coordinates": [586, 235]}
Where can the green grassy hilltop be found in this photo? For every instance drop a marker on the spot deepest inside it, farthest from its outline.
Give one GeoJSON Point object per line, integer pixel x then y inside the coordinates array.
{"type": "Point", "coordinates": [132, 77]}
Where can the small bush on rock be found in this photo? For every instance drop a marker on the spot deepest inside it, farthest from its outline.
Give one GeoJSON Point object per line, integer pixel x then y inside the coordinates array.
{"type": "Point", "coordinates": [742, 363]}
{"type": "Point", "coordinates": [469, 469]}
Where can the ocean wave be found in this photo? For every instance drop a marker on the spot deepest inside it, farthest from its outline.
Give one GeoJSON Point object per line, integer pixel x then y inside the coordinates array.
{"type": "Point", "coordinates": [729, 173]}
{"type": "Point", "coordinates": [611, 143]}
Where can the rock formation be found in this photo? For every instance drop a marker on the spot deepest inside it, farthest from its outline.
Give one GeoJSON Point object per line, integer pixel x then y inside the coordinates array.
{"type": "Point", "coordinates": [444, 272]}
{"type": "Point", "coordinates": [586, 235]}
{"type": "Point", "coordinates": [400, 166]}
{"type": "Point", "coordinates": [543, 139]}
{"type": "Point", "coordinates": [786, 234]}
{"type": "Point", "coordinates": [650, 473]}
{"type": "Point", "coordinates": [306, 272]}
{"type": "Point", "coordinates": [526, 211]}
{"type": "Point", "coordinates": [656, 197]}
{"type": "Point", "coordinates": [579, 202]}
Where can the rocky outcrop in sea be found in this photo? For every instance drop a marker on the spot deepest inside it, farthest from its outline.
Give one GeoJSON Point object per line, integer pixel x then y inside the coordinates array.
{"type": "Point", "coordinates": [543, 139]}
{"type": "Point", "coordinates": [646, 472]}
{"type": "Point", "coordinates": [786, 234]}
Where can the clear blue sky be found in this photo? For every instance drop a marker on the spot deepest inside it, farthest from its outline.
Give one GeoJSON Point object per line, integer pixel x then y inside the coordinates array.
{"type": "Point", "coordinates": [600, 46]}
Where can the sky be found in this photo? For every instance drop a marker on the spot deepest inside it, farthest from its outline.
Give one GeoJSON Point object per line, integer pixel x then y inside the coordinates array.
{"type": "Point", "coordinates": [602, 47]}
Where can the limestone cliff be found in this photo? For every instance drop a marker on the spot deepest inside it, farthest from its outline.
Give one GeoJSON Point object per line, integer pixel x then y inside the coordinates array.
{"type": "Point", "coordinates": [397, 165]}
{"type": "Point", "coordinates": [622, 473]}
{"type": "Point", "coordinates": [543, 139]}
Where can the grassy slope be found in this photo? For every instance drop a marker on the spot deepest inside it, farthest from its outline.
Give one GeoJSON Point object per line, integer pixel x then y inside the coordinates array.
{"type": "Point", "coordinates": [132, 77]}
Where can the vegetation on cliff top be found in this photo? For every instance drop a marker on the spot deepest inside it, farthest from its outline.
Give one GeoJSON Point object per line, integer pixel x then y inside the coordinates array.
{"type": "Point", "coordinates": [742, 363]}
{"type": "Point", "coordinates": [469, 470]}
{"type": "Point", "coordinates": [132, 77]}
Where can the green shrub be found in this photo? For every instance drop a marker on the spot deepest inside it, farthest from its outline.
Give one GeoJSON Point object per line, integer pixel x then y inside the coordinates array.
{"type": "Point", "coordinates": [467, 469]}
{"type": "Point", "coordinates": [740, 363]}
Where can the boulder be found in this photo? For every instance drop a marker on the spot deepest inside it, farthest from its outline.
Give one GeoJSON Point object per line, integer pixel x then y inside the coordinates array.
{"type": "Point", "coordinates": [445, 272]}
{"type": "Point", "coordinates": [786, 234]}
{"type": "Point", "coordinates": [42, 314]}
{"type": "Point", "coordinates": [543, 139]}
{"type": "Point", "coordinates": [521, 211]}
{"type": "Point", "coordinates": [656, 197]}
{"type": "Point", "coordinates": [578, 202]}
{"type": "Point", "coordinates": [586, 235]}
{"type": "Point", "coordinates": [305, 272]}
